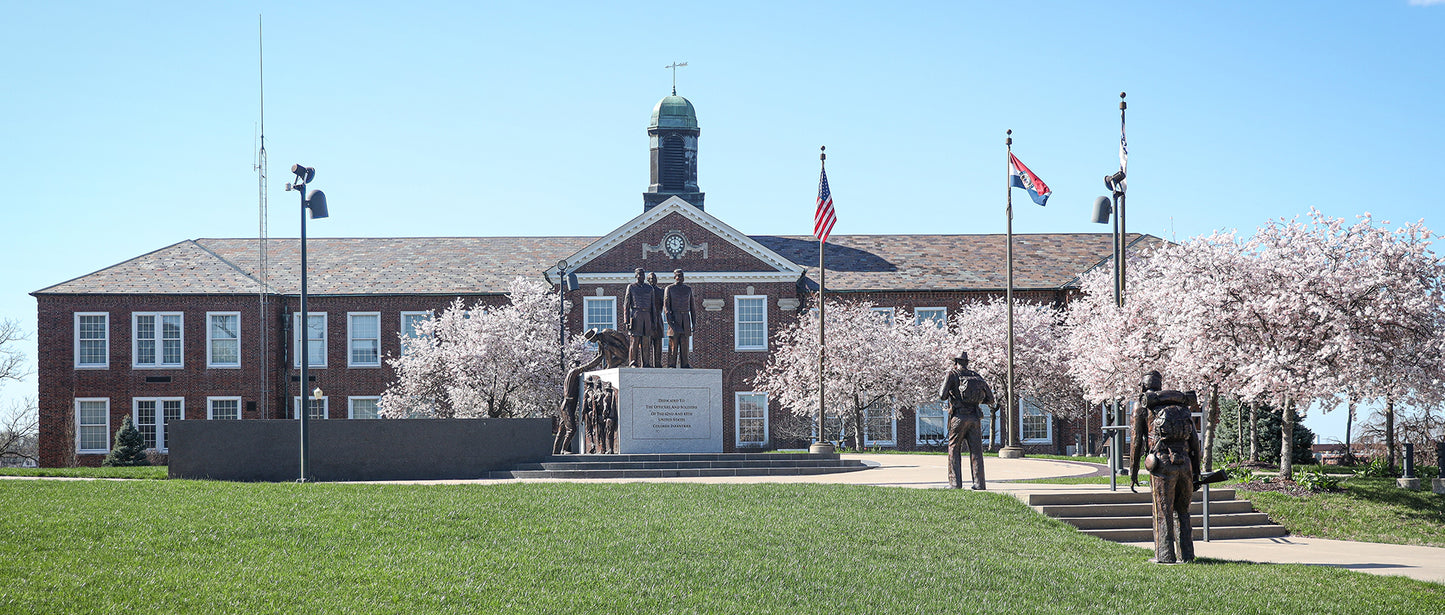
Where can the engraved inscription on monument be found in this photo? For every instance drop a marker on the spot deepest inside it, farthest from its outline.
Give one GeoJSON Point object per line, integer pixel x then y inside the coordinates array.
{"type": "Point", "coordinates": [671, 413]}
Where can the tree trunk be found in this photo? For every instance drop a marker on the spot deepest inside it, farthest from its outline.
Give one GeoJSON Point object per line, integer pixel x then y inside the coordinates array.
{"type": "Point", "coordinates": [1349, 458]}
{"type": "Point", "coordinates": [1253, 432]}
{"type": "Point", "coordinates": [1239, 430]}
{"type": "Point", "coordinates": [1390, 431]}
{"type": "Point", "coordinates": [1286, 441]}
{"type": "Point", "coordinates": [1084, 446]}
{"type": "Point", "coordinates": [858, 436]}
{"type": "Point", "coordinates": [1213, 414]}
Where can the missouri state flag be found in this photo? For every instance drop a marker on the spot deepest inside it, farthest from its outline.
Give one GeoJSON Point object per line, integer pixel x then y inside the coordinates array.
{"type": "Point", "coordinates": [1021, 177]}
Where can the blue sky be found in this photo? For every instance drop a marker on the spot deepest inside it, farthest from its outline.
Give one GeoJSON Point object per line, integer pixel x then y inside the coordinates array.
{"type": "Point", "coordinates": [130, 127]}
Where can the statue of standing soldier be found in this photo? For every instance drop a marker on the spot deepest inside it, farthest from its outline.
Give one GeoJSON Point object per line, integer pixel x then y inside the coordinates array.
{"type": "Point", "coordinates": [1164, 424]}
{"type": "Point", "coordinates": [679, 308]}
{"type": "Point", "coordinates": [965, 389]}
{"type": "Point", "coordinates": [639, 311]}
{"type": "Point", "coordinates": [654, 351]}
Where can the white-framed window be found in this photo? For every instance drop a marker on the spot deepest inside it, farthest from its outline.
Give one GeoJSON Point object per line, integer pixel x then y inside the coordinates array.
{"type": "Point", "coordinates": [885, 313]}
{"type": "Point", "coordinates": [157, 339]}
{"type": "Point", "coordinates": [223, 408]}
{"type": "Point", "coordinates": [92, 340]}
{"type": "Point", "coordinates": [315, 339]}
{"type": "Point", "coordinates": [751, 413]}
{"type": "Point", "coordinates": [930, 423]}
{"type": "Point", "coordinates": [362, 407]}
{"type": "Point", "coordinates": [319, 407]}
{"type": "Point", "coordinates": [880, 426]}
{"type": "Point", "coordinates": [363, 334]}
{"type": "Point", "coordinates": [92, 425]}
{"type": "Point", "coordinates": [152, 414]}
{"type": "Point", "coordinates": [409, 321]}
{"type": "Point", "coordinates": [1035, 425]}
{"type": "Point", "coordinates": [223, 339]}
{"type": "Point", "coordinates": [599, 313]}
{"type": "Point", "coordinates": [750, 322]}
{"type": "Point", "coordinates": [936, 316]}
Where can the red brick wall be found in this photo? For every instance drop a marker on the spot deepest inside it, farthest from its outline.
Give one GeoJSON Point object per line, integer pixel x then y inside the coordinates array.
{"type": "Point", "coordinates": [60, 383]}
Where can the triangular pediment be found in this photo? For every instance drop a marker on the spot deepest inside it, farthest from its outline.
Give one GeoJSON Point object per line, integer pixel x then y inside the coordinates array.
{"type": "Point", "coordinates": [677, 235]}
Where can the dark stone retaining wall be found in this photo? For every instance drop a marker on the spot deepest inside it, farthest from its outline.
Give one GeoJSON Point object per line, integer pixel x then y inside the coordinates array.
{"type": "Point", "coordinates": [405, 449]}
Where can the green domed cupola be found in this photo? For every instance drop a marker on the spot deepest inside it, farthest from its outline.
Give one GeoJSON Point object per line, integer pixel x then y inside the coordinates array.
{"type": "Point", "coordinates": [673, 112]}
{"type": "Point", "coordinates": [673, 134]}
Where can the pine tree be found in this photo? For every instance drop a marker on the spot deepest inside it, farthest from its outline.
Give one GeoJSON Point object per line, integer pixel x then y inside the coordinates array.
{"type": "Point", "coordinates": [129, 449]}
{"type": "Point", "coordinates": [1229, 447]}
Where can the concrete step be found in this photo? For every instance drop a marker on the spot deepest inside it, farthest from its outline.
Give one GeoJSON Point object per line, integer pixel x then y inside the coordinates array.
{"type": "Point", "coordinates": [678, 472]}
{"type": "Point", "coordinates": [1123, 496]}
{"type": "Point", "coordinates": [1215, 533]}
{"type": "Point", "coordinates": [1146, 522]}
{"type": "Point", "coordinates": [1143, 509]}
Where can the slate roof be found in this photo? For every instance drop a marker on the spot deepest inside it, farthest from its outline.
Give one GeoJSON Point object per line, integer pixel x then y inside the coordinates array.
{"type": "Point", "coordinates": [484, 265]}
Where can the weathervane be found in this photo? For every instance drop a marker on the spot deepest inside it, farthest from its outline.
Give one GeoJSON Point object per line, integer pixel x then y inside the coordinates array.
{"type": "Point", "coordinates": [674, 66]}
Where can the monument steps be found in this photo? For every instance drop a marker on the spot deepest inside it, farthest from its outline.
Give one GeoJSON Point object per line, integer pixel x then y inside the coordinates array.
{"type": "Point", "coordinates": [1123, 516]}
{"type": "Point", "coordinates": [692, 465]}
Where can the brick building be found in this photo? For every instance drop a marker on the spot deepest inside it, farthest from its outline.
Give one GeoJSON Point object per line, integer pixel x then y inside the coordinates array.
{"type": "Point", "coordinates": [178, 334]}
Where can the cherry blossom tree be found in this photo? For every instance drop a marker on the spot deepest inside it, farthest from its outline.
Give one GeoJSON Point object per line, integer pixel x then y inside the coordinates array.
{"type": "Point", "coordinates": [875, 361]}
{"type": "Point", "coordinates": [1040, 353]}
{"type": "Point", "coordinates": [483, 361]}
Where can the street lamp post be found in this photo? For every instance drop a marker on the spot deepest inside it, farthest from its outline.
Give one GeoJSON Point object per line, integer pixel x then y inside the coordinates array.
{"type": "Point", "coordinates": [316, 202]}
{"type": "Point", "coordinates": [1117, 186]}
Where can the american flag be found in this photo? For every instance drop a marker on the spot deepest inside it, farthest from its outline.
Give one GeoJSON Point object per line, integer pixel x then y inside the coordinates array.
{"type": "Point", "coordinates": [823, 219]}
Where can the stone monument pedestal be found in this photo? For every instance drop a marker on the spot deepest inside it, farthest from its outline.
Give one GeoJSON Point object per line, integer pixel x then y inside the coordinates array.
{"type": "Point", "coordinates": [1438, 485]}
{"type": "Point", "coordinates": [661, 410]}
{"type": "Point", "coordinates": [1413, 484]}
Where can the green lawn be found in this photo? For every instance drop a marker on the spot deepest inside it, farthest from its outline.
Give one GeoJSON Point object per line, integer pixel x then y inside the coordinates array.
{"type": "Point", "coordinates": [202, 547]}
{"type": "Point", "coordinates": [153, 472]}
{"type": "Point", "coordinates": [1367, 509]}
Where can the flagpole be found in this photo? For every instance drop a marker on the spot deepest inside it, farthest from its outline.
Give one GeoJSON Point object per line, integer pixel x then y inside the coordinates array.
{"type": "Point", "coordinates": [1013, 449]}
{"type": "Point", "coordinates": [822, 445]}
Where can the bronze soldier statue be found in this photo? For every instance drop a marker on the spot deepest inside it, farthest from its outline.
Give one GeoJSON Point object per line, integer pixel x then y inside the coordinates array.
{"type": "Point", "coordinates": [654, 353]}
{"type": "Point", "coordinates": [609, 417]}
{"type": "Point", "coordinates": [567, 411]}
{"type": "Point", "coordinates": [965, 390]}
{"type": "Point", "coordinates": [679, 307]}
{"type": "Point", "coordinates": [611, 347]}
{"type": "Point", "coordinates": [1163, 422]}
{"type": "Point", "coordinates": [588, 413]}
{"type": "Point", "coordinates": [638, 308]}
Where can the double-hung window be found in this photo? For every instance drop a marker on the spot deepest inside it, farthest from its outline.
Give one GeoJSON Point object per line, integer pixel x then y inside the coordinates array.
{"type": "Point", "coordinates": [409, 322]}
{"type": "Point", "coordinates": [92, 340]}
{"type": "Point", "coordinates": [935, 316]}
{"type": "Point", "coordinates": [318, 407]}
{"type": "Point", "coordinates": [1035, 426]}
{"type": "Point", "coordinates": [599, 313]}
{"type": "Point", "coordinates": [223, 408]}
{"type": "Point", "coordinates": [158, 339]}
{"type": "Point", "coordinates": [880, 427]}
{"type": "Point", "coordinates": [92, 425]}
{"type": "Point", "coordinates": [315, 339]}
{"type": "Point", "coordinates": [931, 423]}
{"type": "Point", "coordinates": [223, 339]}
{"type": "Point", "coordinates": [752, 418]}
{"type": "Point", "coordinates": [152, 414]}
{"type": "Point", "coordinates": [362, 407]}
{"type": "Point", "coordinates": [363, 331]}
{"type": "Point", "coordinates": [750, 322]}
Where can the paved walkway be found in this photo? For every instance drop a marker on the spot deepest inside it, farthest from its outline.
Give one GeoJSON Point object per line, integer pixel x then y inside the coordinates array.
{"type": "Point", "coordinates": [931, 472]}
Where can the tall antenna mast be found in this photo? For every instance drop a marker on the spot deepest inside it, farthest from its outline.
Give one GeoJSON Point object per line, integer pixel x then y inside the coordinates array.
{"type": "Point", "coordinates": [262, 264]}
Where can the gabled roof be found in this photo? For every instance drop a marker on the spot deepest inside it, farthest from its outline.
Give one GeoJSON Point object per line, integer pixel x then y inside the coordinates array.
{"type": "Point", "coordinates": [485, 265]}
{"type": "Point", "coordinates": [780, 268]}
{"type": "Point", "coordinates": [339, 266]}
